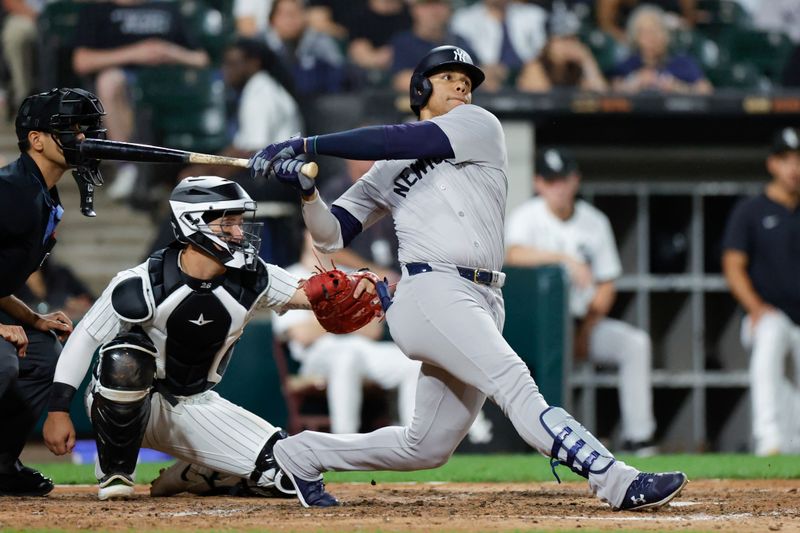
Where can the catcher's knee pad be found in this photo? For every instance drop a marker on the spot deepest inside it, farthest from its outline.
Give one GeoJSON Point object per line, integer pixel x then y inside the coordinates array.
{"type": "Point", "coordinates": [267, 475]}
{"type": "Point", "coordinates": [573, 445]}
{"type": "Point", "coordinates": [121, 400]}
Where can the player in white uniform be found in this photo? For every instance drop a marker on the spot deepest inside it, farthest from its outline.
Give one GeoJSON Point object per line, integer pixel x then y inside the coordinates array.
{"type": "Point", "coordinates": [554, 227]}
{"type": "Point", "coordinates": [443, 179]}
{"type": "Point", "coordinates": [166, 331]}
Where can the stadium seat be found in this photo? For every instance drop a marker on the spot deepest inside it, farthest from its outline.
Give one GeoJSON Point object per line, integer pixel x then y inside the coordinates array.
{"type": "Point", "coordinates": [186, 107]}
{"type": "Point", "coordinates": [741, 75]}
{"type": "Point", "coordinates": [211, 23]}
{"type": "Point", "coordinates": [57, 24]}
{"type": "Point", "coordinates": [768, 51]}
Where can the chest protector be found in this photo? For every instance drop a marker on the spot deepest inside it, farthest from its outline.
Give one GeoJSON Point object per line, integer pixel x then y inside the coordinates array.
{"type": "Point", "coordinates": [194, 323]}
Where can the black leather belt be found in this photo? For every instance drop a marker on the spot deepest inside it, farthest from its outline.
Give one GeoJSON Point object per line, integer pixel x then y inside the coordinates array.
{"type": "Point", "coordinates": [475, 275]}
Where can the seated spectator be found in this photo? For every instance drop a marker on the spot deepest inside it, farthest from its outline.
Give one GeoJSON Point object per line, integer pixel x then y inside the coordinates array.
{"type": "Point", "coordinates": [430, 28]}
{"type": "Point", "coordinates": [345, 361]}
{"type": "Point", "coordinates": [651, 67]}
{"type": "Point", "coordinates": [333, 17]}
{"type": "Point", "coordinates": [557, 227]}
{"type": "Point", "coordinates": [375, 248]}
{"type": "Point", "coordinates": [56, 287]}
{"type": "Point", "coordinates": [613, 15]}
{"type": "Point", "coordinates": [251, 16]}
{"type": "Point", "coordinates": [370, 48]}
{"type": "Point", "coordinates": [19, 40]}
{"type": "Point", "coordinates": [565, 62]}
{"type": "Point", "coordinates": [266, 111]}
{"type": "Point", "coordinates": [314, 59]}
{"type": "Point", "coordinates": [115, 39]}
{"type": "Point", "coordinates": [505, 35]}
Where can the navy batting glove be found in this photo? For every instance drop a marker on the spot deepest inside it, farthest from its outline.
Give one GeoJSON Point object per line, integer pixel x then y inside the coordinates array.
{"type": "Point", "coordinates": [261, 163]}
{"type": "Point", "coordinates": [288, 171]}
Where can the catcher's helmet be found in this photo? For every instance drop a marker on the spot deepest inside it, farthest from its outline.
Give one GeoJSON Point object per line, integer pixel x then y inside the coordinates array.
{"type": "Point", "coordinates": [197, 201]}
{"type": "Point", "coordinates": [440, 58]}
{"type": "Point", "coordinates": [62, 113]}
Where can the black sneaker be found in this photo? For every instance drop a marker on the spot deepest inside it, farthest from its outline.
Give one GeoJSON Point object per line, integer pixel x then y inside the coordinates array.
{"type": "Point", "coordinates": [651, 491]}
{"type": "Point", "coordinates": [24, 481]}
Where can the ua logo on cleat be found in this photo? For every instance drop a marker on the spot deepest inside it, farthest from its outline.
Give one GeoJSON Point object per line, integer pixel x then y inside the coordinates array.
{"type": "Point", "coordinates": [638, 501]}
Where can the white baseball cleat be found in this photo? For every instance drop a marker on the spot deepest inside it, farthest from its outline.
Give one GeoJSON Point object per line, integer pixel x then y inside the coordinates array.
{"type": "Point", "coordinates": [115, 487]}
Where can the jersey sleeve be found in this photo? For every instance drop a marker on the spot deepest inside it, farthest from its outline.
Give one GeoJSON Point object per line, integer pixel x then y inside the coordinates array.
{"type": "Point", "coordinates": [736, 235]}
{"type": "Point", "coordinates": [606, 265]}
{"type": "Point", "coordinates": [101, 322]}
{"type": "Point", "coordinates": [475, 135]}
{"type": "Point", "coordinates": [521, 225]}
{"type": "Point", "coordinates": [280, 289]}
{"type": "Point", "coordinates": [364, 200]}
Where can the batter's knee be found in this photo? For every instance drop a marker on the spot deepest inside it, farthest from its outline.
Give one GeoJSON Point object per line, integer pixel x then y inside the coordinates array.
{"type": "Point", "coordinates": [433, 450]}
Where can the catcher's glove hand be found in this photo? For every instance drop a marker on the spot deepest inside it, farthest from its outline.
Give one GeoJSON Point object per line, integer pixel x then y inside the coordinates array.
{"type": "Point", "coordinates": [331, 294]}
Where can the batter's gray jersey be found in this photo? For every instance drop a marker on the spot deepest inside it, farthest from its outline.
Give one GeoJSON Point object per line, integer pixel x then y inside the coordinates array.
{"type": "Point", "coordinates": [446, 211]}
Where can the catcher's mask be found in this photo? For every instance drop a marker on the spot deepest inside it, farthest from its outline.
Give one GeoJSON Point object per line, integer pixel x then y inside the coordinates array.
{"type": "Point", "coordinates": [217, 216]}
{"type": "Point", "coordinates": [64, 113]}
{"type": "Point", "coordinates": [438, 59]}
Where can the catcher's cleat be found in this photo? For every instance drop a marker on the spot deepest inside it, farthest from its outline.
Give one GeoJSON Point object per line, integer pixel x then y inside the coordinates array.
{"type": "Point", "coordinates": [310, 493]}
{"type": "Point", "coordinates": [651, 491]}
{"type": "Point", "coordinates": [115, 487]}
{"type": "Point", "coordinates": [21, 480]}
{"type": "Point", "coordinates": [182, 477]}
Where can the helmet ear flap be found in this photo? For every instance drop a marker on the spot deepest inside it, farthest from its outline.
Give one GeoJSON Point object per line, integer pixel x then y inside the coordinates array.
{"type": "Point", "coordinates": [421, 90]}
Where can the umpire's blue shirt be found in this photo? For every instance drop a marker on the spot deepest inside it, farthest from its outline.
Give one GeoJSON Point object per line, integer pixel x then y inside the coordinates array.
{"type": "Point", "coordinates": [769, 234]}
{"type": "Point", "coordinates": [29, 214]}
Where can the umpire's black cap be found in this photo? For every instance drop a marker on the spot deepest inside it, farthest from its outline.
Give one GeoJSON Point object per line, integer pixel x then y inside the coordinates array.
{"type": "Point", "coordinates": [555, 163]}
{"type": "Point", "coordinates": [786, 140]}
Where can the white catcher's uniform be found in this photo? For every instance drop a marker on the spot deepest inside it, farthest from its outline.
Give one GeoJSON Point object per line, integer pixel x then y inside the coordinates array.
{"type": "Point", "coordinates": [446, 213]}
{"type": "Point", "coordinates": [345, 361]}
{"type": "Point", "coordinates": [194, 325]}
{"type": "Point", "coordinates": [587, 237]}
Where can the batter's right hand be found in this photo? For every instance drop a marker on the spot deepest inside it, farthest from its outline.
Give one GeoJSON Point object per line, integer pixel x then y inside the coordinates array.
{"type": "Point", "coordinates": [16, 336]}
{"type": "Point", "coordinates": [59, 433]}
{"type": "Point", "coordinates": [288, 171]}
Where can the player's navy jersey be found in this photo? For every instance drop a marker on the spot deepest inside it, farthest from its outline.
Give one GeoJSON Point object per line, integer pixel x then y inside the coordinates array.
{"type": "Point", "coordinates": [448, 211]}
{"type": "Point", "coordinates": [193, 323]}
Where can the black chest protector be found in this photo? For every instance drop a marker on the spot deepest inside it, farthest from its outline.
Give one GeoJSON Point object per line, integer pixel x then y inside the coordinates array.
{"type": "Point", "coordinates": [198, 326]}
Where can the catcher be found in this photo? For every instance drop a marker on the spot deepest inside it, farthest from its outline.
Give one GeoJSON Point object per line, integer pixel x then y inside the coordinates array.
{"type": "Point", "coordinates": [166, 331]}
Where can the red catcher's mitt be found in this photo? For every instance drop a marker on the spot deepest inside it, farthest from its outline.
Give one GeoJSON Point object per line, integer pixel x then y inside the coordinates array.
{"type": "Point", "coordinates": [330, 293]}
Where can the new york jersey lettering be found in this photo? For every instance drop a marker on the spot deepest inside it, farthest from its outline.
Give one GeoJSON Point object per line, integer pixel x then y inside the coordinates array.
{"type": "Point", "coordinates": [412, 174]}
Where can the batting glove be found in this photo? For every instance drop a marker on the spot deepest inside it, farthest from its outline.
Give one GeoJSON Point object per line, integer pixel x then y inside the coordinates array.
{"type": "Point", "coordinates": [288, 171]}
{"type": "Point", "coordinates": [262, 162]}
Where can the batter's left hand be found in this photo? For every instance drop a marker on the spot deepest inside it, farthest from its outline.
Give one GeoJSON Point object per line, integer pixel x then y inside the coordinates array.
{"type": "Point", "coordinates": [58, 322]}
{"type": "Point", "coordinates": [261, 163]}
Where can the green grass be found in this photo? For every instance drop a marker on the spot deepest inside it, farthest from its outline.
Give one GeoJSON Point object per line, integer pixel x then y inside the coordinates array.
{"type": "Point", "coordinates": [510, 468]}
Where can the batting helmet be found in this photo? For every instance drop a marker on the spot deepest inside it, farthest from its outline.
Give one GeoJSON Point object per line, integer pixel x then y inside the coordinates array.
{"type": "Point", "coordinates": [62, 113]}
{"type": "Point", "coordinates": [197, 201]}
{"type": "Point", "coordinates": [440, 58]}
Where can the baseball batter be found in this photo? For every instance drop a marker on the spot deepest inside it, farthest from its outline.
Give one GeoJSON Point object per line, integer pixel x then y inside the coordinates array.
{"type": "Point", "coordinates": [443, 179]}
{"type": "Point", "coordinates": [166, 331]}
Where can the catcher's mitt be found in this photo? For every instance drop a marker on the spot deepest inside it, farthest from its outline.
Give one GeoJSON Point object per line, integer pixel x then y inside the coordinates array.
{"type": "Point", "coordinates": [330, 293]}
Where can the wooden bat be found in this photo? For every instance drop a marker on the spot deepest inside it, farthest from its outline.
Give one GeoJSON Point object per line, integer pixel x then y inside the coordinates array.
{"type": "Point", "coordinates": [145, 153]}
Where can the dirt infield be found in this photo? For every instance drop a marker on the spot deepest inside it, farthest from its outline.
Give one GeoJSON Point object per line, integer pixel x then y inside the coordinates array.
{"type": "Point", "coordinates": [704, 505]}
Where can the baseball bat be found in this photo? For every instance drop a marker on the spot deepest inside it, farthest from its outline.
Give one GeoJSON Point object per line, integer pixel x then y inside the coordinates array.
{"type": "Point", "coordinates": [145, 153]}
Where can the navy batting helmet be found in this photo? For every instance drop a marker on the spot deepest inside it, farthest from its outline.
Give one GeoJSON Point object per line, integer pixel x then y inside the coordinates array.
{"type": "Point", "coordinates": [438, 59]}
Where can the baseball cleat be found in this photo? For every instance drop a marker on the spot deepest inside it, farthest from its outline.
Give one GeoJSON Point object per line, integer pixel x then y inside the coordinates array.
{"type": "Point", "coordinates": [651, 491]}
{"type": "Point", "coordinates": [115, 487]}
{"type": "Point", "coordinates": [310, 493]}
{"type": "Point", "coordinates": [182, 477]}
{"type": "Point", "coordinates": [24, 481]}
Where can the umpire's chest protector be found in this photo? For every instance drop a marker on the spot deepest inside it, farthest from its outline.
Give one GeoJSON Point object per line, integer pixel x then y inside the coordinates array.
{"type": "Point", "coordinates": [193, 323]}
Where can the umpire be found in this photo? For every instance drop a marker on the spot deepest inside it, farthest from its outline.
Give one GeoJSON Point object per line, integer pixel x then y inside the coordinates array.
{"type": "Point", "coordinates": [49, 129]}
